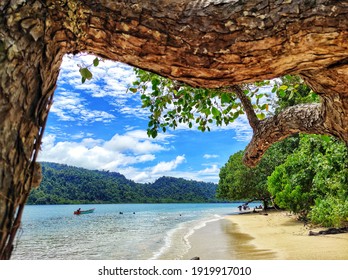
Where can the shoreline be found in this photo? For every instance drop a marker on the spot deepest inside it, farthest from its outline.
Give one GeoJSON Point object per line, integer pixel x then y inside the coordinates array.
{"type": "Point", "coordinates": [276, 236]}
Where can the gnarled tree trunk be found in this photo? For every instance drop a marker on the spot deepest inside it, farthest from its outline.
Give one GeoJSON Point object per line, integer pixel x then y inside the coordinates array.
{"type": "Point", "coordinates": [207, 43]}
{"type": "Point", "coordinates": [29, 70]}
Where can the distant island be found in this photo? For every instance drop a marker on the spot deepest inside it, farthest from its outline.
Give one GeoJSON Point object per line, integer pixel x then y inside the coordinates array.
{"type": "Point", "coordinates": [63, 184]}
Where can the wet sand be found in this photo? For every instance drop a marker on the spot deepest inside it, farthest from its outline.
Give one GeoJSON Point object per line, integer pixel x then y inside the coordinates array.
{"type": "Point", "coordinates": [277, 235]}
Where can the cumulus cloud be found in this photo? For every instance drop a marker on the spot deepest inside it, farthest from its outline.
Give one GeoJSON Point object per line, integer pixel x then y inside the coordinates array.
{"type": "Point", "coordinates": [120, 154]}
{"type": "Point", "coordinates": [120, 150]}
{"type": "Point", "coordinates": [128, 143]}
{"type": "Point", "coordinates": [163, 168]}
{"type": "Point", "coordinates": [167, 166]}
{"type": "Point", "coordinates": [106, 155]}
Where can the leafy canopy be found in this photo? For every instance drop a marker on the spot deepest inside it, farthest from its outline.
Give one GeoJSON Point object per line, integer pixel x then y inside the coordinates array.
{"type": "Point", "coordinates": [173, 103]}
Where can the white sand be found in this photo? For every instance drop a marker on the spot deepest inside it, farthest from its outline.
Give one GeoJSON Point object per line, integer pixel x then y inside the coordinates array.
{"type": "Point", "coordinates": [254, 236]}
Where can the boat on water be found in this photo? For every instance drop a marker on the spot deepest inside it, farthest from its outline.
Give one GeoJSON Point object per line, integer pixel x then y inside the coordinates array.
{"type": "Point", "coordinates": [79, 211]}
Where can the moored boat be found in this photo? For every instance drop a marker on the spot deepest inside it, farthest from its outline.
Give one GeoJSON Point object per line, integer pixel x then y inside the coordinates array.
{"type": "Point", "coordinates": [79, 211]}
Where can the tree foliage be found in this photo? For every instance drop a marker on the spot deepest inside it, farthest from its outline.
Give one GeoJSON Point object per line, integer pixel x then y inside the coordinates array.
{"type": "Point", "coordinates": [64, 184]}
{"type": "Point", "coordinates": [173, 103]}
{"type": "Point", "coordinates": [291, 90]}
{"type": "Point", "coordinates": [239, 182]}
{"type": "Point", "coordinates": [313, 181]}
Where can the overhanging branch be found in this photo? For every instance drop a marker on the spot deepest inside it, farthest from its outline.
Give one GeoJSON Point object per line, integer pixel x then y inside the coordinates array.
{"type": "Point", "coordinates": [305, 118]}
{"type": "Point", "coordinates": [247, 106]}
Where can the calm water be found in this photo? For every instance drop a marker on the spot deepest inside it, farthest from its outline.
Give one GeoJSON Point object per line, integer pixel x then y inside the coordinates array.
{"type": "Point", "coordinates": [53, 232]}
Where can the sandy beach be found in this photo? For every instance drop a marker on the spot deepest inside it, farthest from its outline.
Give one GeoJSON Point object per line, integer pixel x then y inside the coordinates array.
{"type": "Point", "coordinates": [277, 235]}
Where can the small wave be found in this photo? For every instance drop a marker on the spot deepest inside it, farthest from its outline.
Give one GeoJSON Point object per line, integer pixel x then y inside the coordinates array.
{"type": "Point", "coordinates": [176, 243]}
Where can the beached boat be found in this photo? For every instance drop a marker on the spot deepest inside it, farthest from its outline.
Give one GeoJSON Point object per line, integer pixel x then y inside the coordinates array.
{"type": "Point", "coordinates": [79, 212]}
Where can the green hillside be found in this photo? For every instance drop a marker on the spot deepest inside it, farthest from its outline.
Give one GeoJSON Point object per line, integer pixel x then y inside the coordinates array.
{"type": "Point", "coordinates": [63, 184]}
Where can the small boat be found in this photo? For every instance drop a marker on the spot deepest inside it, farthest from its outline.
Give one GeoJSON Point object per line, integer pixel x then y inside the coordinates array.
{"type": "Point", "coordinates": [79, 211]}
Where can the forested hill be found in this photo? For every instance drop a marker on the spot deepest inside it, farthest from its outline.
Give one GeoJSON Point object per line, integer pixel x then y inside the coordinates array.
{"type": "Point", "coordinates": [63, 184]}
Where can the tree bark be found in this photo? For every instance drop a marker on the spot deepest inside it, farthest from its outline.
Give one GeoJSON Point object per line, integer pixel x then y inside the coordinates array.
{"type": "Point", "coordinates": [306, 118]}
{"type": "Point", "coordinates": [29, 66]}
{"type": "Point", "coordinates": [207, 43]}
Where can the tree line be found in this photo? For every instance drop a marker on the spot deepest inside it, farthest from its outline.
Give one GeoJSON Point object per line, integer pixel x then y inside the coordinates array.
{"type": "Point", "coordinates": [63, 184]}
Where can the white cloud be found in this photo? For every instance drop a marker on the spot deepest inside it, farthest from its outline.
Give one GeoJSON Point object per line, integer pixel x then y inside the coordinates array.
{"type": "Point", "coordinates": [163, 167]}
{"type": "Point", "coordinates": [213, 170]}
{"type": "Point", "coordinates": [80, 135]}
{"type": "Point", "coordinates": [126, 142]}
{"type": "Point", "coordinates": [101, 155]}
{"type": "Point", "coordinates": [69, 106]}
{"type": "Point", "coordinates": [241, 128]}
{"type": "Point", "coordinates": [120, 150]}
{"type": "Point", "coordinates": [168, 168]}
{"type": "Point", "coordinates": [208, 156]}
{"type": "Point", "coordinates": [118, 154]}
{"type": "Point", "coordinates": [110, 79]}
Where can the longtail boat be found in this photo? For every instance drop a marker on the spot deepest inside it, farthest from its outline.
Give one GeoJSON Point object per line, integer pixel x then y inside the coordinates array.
{"type": "Point", "coordinates": [79, 212]}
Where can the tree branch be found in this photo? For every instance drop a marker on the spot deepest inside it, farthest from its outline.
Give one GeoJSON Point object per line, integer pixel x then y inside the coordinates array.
{"type": "Point", "coordinates": [185, 40]}
{"type": "Point", "coordinates": [247, 106]}
{"type": "Point", "coordinates": [306, 118]}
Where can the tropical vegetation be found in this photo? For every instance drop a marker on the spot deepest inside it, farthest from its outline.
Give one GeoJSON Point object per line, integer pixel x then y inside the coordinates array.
{"type": "Point", "coordinates": [305, 174]}
{"type": "Point", "coordinates": [313, 180]}
{"type": "Point", "coordinates": [63, 184]}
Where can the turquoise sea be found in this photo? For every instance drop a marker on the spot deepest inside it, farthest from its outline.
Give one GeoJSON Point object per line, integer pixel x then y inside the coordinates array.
{"type": "Point", "coordinates": [143, 231]}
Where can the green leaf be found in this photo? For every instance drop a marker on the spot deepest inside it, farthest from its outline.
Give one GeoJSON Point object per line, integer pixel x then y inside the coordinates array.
{"type": "Point", "coordinates": [96, 62]}
{"type": "Point", "coordinates": [134, 90]}
{"type": "Point", "coordinates": [264, 107]}
{"type": "Point", "coordinates": [85, 73]}
{"type": "Point", "coordinates": [261, 116]}
{"type": "Point", "coordinates": [236, 115]}
{"type": "Point", "coordinates": [225, 98]}
{"type": "Point", "coordinates": [291, 96]}
{"type": "Point", "coordinates": [281, 93]}
{"type": "Point", "coordinates": [155, 82]}
{"type": "Point", "coordinates": [215, 112]}
{"type": "Point", "coordinates": [283, 87]}
{"type": "Point", "coordinates": [206, 111]}
{"type": "Point", "coordinates": [153, 133]}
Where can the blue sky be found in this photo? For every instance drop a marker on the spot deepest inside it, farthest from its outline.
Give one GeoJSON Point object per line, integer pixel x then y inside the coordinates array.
{"type": "Point", "coordinates": [99, 125]}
